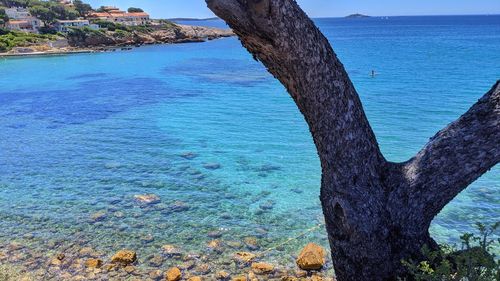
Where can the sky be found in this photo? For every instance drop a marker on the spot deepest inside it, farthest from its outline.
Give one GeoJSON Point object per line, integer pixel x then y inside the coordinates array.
{"type": "Point", "coordinates": [320, 8]}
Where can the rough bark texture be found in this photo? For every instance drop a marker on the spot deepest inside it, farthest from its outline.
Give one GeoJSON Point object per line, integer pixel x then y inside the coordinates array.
{"type": "Point", "coordinates": [377, 212]}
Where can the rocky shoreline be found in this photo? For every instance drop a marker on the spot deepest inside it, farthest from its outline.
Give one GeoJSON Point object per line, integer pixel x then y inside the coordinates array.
{"type": "Point", "coordinates": [18, 262]}
{"type": "Point", "coordinates": [102, 41]}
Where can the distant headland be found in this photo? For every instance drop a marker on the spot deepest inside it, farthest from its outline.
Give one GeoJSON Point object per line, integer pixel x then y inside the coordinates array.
{"type": "Point", "coordinates": [357, 16]}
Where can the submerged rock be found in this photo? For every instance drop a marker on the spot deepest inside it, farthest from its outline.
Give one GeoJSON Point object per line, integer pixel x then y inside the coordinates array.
{"type": "Point", "coordinates": [174, 274]}
{"type": "Point", "coordinates": [156, 260]}
{"type": "Point", "coordinates": [178, 206]}
{"type": "Point", "coordinates": [251, 243]}
{"type": "Point", "coordinates": [189, 155]}
{"type": "Point", "coordinates": [261, 268]}
{"type": "Point", "coordinates": [147, 198]}
{"type": "Point", "coordinates": [147, 238]}
{"type": "Point", "coordinates": [215, 245]}
{"type": "Point", "coordinates": [215, 234]}
{"type": "Point", "coordinates": [203, 268]}
{"type": "Point", "coordinates": [124, 257]}
{"type": "Point", "coordinates": [244, 257]}
{"type": "Point", "coordinates": [212, 166]}
{"type": "Point", "coordinates": [155, 274]}
{"type": "Point", "coordinates": [222, 275]}
{"type": "Point", "coordinates": [98, 216]}
{"type": "Point", "coordinates": [268, 205]}
{"type": "Point", "coordinates": [171, 250]}
{"type": "Point", "coordinates": [312, 257]}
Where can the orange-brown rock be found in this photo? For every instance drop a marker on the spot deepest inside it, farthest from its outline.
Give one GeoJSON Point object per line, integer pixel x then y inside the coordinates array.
{"type": "Point", "coordinates": [195, 278]}
{"type": "Point", "coordinates": [244, 257]}
{"type": "Point", "coordinates": [262, 268]}
{"type": "Point", "coordinates": [93, 263]}
{"type": "Point", "coordinates": [312, 257]}
{"type": "Point", "coordinates": [239, 278]}
{"type": "Point", "coordinates": [222, 275]}
{"type": "Point", "coordinates": [174, 274]}
{"type": "Point", "coordinates": [124, 257]}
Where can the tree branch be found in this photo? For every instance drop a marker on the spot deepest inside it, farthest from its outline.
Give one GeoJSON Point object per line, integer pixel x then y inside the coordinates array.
{"type": "Point", "coordinates": [457, 155]}
{"type": "Point", "coordinates": [298, 54]}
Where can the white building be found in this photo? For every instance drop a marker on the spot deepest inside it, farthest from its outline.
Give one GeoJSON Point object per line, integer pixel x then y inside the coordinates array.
{"type": "Point", "coordinates": [113, 14]}
{"type": "Point", "coordinates": [17, 13]}
{"type": "Point", "coordinates": [65, 25]}
{"type": "Point", "coordinates": [21, 20]}
{"type": "Point", "coordinates": [28, 25]}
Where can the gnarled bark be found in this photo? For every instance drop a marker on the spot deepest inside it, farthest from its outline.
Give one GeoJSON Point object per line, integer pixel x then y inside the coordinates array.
{"type": "Point", "coordinates": [377, 212]}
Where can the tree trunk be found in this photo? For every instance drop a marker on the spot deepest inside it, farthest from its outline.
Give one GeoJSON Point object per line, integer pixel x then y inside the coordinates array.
{"type": "Point", "coordinates": [377, 212]}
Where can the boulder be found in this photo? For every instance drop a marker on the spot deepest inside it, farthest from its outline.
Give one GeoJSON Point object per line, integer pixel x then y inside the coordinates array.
{"type": "Point", "coordinates": [174, 274]}
{"type": "Point", "coordinates": [124, 257]}
{"type": "Point", "coordinates": [312, 257]}
{"type": "Point", "coordinates": [261, 268]}
{"type": "Point", "coordinates": [195, 278]}
{"type": "Point", "coordinates": [93, 263]}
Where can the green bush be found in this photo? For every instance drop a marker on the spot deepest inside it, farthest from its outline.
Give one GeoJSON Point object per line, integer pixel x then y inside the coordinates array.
{"type": "Point", "coordinates": [121, 33]}
{"type": "Point", "coordinates": [475, 261]}
{"type": "Point", "coordinates": [12, 39]}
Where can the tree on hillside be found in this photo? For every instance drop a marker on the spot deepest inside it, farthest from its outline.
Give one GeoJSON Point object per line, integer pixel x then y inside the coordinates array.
{"type": "Point", "coordinates": [46, 15]}
{"type": "Point", "coordinates": [377, 212]}
{"type": "Point", "coordinates": [134, 10]}
{"type": "Point", "coordinates": [82, 8]}
{"type": "Point", "coordinates": [101, 9]}
{"type": "Point", "coordinates": [3, 17]}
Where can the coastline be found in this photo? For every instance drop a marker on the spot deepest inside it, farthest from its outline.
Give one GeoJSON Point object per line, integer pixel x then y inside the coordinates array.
{"type": "Point", "coordinates": [106, 42]}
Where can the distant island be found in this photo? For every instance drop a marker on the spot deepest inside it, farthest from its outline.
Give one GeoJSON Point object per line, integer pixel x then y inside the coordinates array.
{"type": "Point", "coordinates": [357, 16]}
{"type": "Point", "coordinates": [193, 19]}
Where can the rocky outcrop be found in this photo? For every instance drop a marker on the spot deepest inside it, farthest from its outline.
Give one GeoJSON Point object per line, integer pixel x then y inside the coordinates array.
{"type": "Point", "coordinates": [160, 35]}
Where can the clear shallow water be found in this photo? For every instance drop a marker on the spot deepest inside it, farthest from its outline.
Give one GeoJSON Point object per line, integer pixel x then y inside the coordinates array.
{"type": "Point", "coordinates": [85, 133]}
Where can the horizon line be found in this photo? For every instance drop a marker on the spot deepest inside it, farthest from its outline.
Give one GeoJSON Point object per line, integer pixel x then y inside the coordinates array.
{"type": "Point", "coordinates": [368, 16]}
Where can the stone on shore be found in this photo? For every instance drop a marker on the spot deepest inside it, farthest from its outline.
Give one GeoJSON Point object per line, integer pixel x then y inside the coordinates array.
{"type": "Point", "coordinates": [174, 274]}
{"type": "Point", "coordinates": [312, 257]}
{"type": "Point", "coordinates": [261, 268]}
{"type": "Point", "coordinates": [147, 198]}
{"type": "Point", "coordinates": [93, 263]}
{"type": "Point", "coordinates": [239, 278]}
{"type": "Point", "coordinates": [195, 278]}
{"type": "Point", "coordinates": [222, 275]}
{"type": "Point", "coordinates": [124, 257]}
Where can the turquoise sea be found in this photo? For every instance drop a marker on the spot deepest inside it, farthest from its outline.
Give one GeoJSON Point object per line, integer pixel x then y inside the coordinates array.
{"type": "Point", "coordinates": [208, 130]}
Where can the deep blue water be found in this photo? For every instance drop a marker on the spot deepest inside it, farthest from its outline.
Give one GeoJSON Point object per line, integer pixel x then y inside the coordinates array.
{"type": "Point", "coordinates": [85, 133]}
